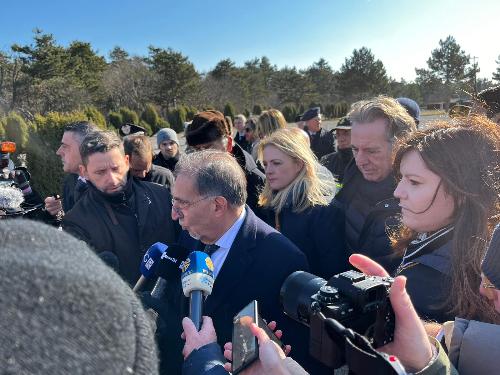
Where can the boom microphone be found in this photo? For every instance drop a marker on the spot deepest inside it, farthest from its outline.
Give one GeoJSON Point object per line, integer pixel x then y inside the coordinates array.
{"type": "Point", "coordinates": [197, 282]}
{"type": "Point", "coordinates": [11, 199]}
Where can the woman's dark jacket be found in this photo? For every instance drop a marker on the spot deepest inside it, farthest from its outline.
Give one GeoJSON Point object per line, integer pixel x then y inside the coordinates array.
{"type": "Point", "coordinates": [318, 233]}
{"type": "Point", "coordinates": [428, 273]}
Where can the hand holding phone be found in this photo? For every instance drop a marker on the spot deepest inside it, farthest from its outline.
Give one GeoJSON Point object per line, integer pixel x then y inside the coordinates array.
{"type": "Point", "coordinates": [245, 347]}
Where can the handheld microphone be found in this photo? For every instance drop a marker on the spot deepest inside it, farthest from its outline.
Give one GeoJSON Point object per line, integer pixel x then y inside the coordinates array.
{"type": "Point", "coordinates": [197, 282]}
{"type": "Point", "coordinates": [149, 262]}
{"type": "Point", "coordinates": [110, 259]}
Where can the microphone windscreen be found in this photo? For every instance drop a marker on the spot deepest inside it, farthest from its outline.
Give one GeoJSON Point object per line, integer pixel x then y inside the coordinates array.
{"type": "Point", "coordinates": [10, 198]}
{"type": "Point", "coordinates": [169, 265]}
{"type": "Point", "coordinates": [151, 258]}
{"type": "Point", "coordinates": [197, 273]}
{"type": "Point", "coordinates": [110, 259]}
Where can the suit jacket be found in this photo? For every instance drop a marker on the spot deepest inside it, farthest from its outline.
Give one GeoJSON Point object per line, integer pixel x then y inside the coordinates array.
{"type": "Point", "coordinates": [258, 263]}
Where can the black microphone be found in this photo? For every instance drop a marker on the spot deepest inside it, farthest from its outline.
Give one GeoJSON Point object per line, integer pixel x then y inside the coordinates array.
{"type": "Point", "coordinates": [197, 283]}
{"type": "Point", "coordinates": [110, 259]}
{"type": "Point", "coordinates": [169, 265]}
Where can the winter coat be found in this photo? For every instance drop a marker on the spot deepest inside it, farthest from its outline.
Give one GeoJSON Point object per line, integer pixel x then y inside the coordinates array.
{"type": "Point", "coordinates": [427, 267]}
{"type": "Point", "coordinates": [126, 224]}
{"type": "Point", "coordinates": [169, 163]}
{"type": "Point", "coordinates": [369, 209]}
{"type": "Point", "coordinates": [322, 143]}
{"type": "Point", "coordinates": [336, 162]}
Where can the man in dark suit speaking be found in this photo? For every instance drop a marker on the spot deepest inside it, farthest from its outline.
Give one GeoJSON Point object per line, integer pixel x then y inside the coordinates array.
{"type": "Point", "coordinates": [251, 259]}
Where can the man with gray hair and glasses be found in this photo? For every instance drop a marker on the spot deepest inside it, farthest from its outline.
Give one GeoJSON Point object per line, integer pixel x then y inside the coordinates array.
{"type": "Point", "coordinates": [251, 259]}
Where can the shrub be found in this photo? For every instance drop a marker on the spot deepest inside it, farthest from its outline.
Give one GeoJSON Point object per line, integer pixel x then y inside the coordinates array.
{"type": "Point", "coordinates": [115, 119]}
{"type": "Point", "coordinates": [229, 110]}
{"type": "Point", "coordinates": [42, 162]}
{"type": "Point", "coordinates": [177, 118]}
{"type": "Point", "coordinates": [289, 112]}
{"type": "Point", "coordinates": [17, 130]}
{"type": "Point", "coordinates": [257, 109]}
{"type": "Point", "coordinates": [151, 117]}
{"type": "Point", "coordinates": [129, 116]}
{"type": "Point", "coordinates": [95, 116]}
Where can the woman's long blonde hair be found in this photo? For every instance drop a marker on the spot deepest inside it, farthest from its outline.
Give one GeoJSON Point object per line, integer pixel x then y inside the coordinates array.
{"type": "Point", "coordinates": [307, 189]}
{"type": "Point", "coordinates": [270, 121]}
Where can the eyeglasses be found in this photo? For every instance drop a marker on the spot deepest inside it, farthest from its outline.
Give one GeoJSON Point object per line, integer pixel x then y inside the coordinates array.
{"type": "Point", "coordinates": [248, 130]}
{"type": "Point", "coordinates": [180, 204]}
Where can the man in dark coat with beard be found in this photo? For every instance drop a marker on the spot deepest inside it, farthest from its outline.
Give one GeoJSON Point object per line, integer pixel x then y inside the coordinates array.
{"type": "Point", "coordinates": [118, 214]}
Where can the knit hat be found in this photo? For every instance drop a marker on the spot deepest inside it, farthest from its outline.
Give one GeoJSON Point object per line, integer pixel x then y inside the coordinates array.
{"type": "Point", "coordinates": [166, 134]}
{"type": "Point", "coordinates": [63, 311]}
{"type": "Point", "coordinates": [491, 262]}
{"type": "Point", "coordinates": [207, 126]}
{"type": "Point", "coordinates": [411, 107]}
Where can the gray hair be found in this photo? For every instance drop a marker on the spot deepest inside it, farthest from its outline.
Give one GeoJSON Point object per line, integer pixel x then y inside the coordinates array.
{"type": "Point", "coordinates": [399, 122]}
{"type": "Point", "coordinates": [215, 173]}
{"type": "Point", "coordinates": [100, 141]}
{"type": "Point", "coordinates": [80, 129]}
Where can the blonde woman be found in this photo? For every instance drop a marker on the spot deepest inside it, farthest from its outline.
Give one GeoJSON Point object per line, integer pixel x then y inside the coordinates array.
{"type": "Point", "coordinates": [298, 201]}
{"type": "Point", "coordinates": [270, 121]}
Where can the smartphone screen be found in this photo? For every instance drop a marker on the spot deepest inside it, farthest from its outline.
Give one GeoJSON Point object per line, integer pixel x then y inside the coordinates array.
{"type": "Point", "coordinates": [245, 348]}
{"type": "Point", "coordinates": [245, 344]}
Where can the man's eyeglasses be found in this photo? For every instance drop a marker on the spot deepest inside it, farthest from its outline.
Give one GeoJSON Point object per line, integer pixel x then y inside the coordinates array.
{"type": "Point", "coordinates": [248, 130]}
{"type": "Point", "coordinates": [180, 204]}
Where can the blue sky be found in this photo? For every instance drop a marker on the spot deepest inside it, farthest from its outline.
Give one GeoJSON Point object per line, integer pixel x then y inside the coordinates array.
{"type": "Point", "coordinates": [294, 33]}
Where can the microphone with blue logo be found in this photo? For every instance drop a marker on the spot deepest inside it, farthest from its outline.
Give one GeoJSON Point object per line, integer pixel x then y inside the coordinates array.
{"type": "Point", "coordinates": [197, 282]}
{"type": "Point", "coordinates": [149, 262]}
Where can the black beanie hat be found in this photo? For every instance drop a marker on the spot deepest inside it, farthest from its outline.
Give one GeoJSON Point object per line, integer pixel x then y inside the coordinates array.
{"type": "Point", "coordinates": [63, 311]}
{"type": "Point", "coordinates": [491, 262]}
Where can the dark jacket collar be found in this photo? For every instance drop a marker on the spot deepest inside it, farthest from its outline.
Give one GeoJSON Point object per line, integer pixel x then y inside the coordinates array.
{"type": "Point", "coordinates": [115, 198]}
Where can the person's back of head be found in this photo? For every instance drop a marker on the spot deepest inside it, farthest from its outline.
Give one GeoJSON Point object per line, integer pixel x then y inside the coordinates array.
{"type": "Point", "coordinates": [207, 128]}
{"type": "Point", "coordinates": [64, 311]}
{"type": "Point", "coordinates": [270, 121]}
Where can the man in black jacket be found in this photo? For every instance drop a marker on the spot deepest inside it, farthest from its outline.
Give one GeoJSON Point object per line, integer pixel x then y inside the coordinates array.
{"type": "Point", "coordinates": [322, 141]}
{"type": "Point", "coordinates": [169, 154]}
{"type": "Point", "coordinates": [118, 213]}
{"type": "Point", "coordinates": [367, 193]}
{"type": "Point", "coordinates": [140, 156]}
{"type": "Point", "coordinates": [209, 130]}
{"type": "Point", "coordinates": [74, 184]}
{"type": "Point", "coordinates": [336, 162]}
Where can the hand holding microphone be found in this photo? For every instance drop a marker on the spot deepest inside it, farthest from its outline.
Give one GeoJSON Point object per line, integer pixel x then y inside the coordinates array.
{"type": "Point", "coordinates": [197, 282]}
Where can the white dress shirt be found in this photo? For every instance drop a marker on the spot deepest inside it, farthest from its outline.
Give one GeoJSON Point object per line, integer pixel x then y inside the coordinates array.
{"type": "Point", "coordinates": [225, 243]}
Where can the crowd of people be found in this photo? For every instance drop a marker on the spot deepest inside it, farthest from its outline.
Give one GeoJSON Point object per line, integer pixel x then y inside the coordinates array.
{"type": "Point", "coordinates": [379, 193]}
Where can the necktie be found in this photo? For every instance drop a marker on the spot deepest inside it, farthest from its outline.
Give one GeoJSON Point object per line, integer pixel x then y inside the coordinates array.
{"type": "Point", "coordinates": [210, 249]}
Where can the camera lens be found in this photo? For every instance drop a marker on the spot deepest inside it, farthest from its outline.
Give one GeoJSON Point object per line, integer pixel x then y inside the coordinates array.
{"type": "Point", "coordinates": [296, 292]}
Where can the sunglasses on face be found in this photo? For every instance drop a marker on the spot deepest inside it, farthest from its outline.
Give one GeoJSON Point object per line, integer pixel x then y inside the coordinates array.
{"type": "Point", "coordinates": [248, 130]}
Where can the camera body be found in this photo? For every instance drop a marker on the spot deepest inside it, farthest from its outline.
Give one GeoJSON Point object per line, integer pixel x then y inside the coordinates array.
{"type": "Point", "coordinates": [355, 300]}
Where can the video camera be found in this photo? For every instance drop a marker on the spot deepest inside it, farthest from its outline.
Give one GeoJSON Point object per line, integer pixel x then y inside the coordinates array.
{"type": "Point", "coordinates": [350, 303]}
{"type": "Point", "coordinates": [16, 195]}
